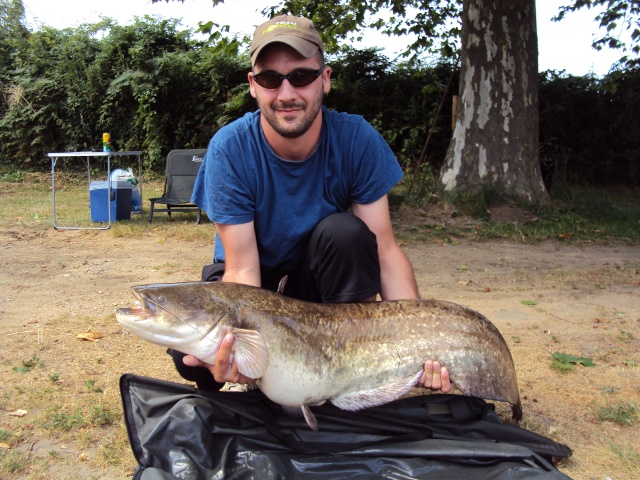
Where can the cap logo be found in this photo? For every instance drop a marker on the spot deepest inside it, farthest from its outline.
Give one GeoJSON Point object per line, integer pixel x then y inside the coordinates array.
{"type": "Point", "coordinates": [271, 28]}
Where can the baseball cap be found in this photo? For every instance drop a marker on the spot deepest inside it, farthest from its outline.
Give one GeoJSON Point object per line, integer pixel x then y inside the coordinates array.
{"type": "Point", "coordinates": [297, 32]}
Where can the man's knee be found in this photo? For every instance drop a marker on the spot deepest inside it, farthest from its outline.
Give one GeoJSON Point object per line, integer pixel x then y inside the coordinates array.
{"type": "Point", "coordinates": [344, 232]}
{"type": "Point", "coordinates": [342, 260]}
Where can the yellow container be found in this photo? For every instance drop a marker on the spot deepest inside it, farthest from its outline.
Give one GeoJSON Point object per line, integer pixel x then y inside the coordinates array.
{"type": "Point", "coordinates": [106, 142]}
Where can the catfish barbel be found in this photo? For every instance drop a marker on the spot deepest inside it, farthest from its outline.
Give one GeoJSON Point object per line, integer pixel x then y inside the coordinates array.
{"type": "Point", "coordinates": [356, 355]}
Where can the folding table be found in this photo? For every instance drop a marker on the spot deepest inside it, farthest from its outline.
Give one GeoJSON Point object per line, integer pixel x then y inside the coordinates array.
{"type": "Point", "coordinates": [86, 156]}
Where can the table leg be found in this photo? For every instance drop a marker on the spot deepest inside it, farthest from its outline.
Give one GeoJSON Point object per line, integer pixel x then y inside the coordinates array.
{"type": "Point", "coordinates": [53, 190]}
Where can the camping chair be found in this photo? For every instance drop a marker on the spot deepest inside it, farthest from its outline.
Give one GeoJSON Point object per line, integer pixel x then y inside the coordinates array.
{"type": "Point", "coordinates": [181, 170]}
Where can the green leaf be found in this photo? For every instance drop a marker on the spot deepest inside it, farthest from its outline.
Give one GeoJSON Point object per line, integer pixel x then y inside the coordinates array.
{"type": "Point", "coordinates": [567, 358]}
{"type": "Point", "coordinates": [528, 302]}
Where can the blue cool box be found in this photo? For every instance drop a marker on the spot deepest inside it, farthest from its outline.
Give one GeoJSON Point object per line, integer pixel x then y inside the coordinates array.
{"type": "Point", "coordinates": [119, 203]}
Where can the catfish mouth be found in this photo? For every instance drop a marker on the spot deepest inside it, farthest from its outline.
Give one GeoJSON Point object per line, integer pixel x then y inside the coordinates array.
{"type": "Point", "coordinates": [143, 310]}
{"type": "Point", "coordinates": [136, 313]}
{"type": "Point", "coordinates": [146, 320]}
{"type": "Point", "coordinates": [163, 322]}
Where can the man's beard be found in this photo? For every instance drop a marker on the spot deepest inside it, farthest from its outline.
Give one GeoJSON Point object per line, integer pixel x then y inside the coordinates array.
{"type": "Point", "coordinates": [291, 130]}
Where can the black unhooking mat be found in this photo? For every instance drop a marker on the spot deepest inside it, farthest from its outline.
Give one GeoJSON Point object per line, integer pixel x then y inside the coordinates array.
{"type": "Point", "coordinates": [177, 432]}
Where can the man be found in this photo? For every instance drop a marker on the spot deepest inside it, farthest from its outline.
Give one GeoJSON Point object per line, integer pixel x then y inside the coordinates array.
{"type": "Point", "coordinates": [279, 184]}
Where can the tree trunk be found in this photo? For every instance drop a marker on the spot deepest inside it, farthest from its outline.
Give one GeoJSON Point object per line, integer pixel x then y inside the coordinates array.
{"type": "Point", "coordinates": [495, 140]}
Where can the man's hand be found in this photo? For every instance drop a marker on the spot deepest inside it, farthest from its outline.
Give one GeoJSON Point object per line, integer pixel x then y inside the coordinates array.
{"type": "Point", "coordinates": [224, 369]}
{"type": "Point", "coordinates": [435, 377]}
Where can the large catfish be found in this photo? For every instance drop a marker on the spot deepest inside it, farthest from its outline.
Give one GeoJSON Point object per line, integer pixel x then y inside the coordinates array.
{"type": "Point", "coordinates": [356, 355]}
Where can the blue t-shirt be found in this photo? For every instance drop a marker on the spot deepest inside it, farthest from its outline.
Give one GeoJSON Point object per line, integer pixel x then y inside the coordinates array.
{"type": "Point", "coordinates": [241, 180]}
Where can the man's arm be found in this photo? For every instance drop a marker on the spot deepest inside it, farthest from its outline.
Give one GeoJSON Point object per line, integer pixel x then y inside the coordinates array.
{"type": "Point", "coordinates": [397, 278]}
{"type": "Point", "coordinates": [396, 273]}
{"type": "Point", "coordinates": [242, 265]}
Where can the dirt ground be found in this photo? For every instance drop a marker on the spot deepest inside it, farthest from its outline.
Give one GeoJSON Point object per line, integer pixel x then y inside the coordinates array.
{"type": "Point", "coordinates": [580, 300]}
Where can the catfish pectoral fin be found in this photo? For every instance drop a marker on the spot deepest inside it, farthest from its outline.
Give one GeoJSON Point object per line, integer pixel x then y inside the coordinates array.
{"type": "Point", "coordinates": [250, 352]}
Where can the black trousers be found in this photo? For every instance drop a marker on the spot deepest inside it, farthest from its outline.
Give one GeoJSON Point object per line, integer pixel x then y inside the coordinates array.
{"type": "Point", "coordinates": [340, 265]}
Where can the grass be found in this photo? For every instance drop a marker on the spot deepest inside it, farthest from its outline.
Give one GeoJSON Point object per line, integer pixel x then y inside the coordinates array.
{"type": "Point", "coordinates": [12, 462]}
{"type": "Point", "coordinates": [8, 437]}
{"type": "Point", "coordinates": [583, 215]}
{"type": "Point", "coordinates": [73, 413]}
{"type": "Point", "coordinates": [68, 416]}
{"type": "Point", "coordinates": [627, 455]}
{"type": "Point", "coordinates": [569, 225]}
{"type": "Point", "coordinates": [27, 203]}
{"type": "Point", "coordinates": [623, 413]}
{"type": "Point", "coordinates": [85, 417]}
{"type": "Point", "coordinates": [562, 367]}
{"type": "Point", "coordinates": [580, 219]}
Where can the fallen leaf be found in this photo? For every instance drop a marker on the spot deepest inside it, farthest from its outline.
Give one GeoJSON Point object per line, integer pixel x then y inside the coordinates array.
{"type": "Point", "coordinates": [528, 302]}
{"type": "Point", "coordinates": [89, 336]}
{"type": "Point", "coordinates": [4, 446]}
{"type": "Point", "coordinates": [19, 413]}
{"type": "Point", "coordinates": [463, 267]}
{"type": "Point", "coordinates": [464, 283]}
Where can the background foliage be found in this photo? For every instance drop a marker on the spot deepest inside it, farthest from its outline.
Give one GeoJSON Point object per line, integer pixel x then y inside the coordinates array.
{"type": "Point", "coordinates": [156, 88]}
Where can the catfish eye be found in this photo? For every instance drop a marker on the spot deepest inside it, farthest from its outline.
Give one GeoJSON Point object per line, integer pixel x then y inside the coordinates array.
{"type": "Point", "coordinates": [161, 299]}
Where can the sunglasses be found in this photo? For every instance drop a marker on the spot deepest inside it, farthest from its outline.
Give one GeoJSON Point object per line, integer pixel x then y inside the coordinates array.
{"type": "Point", "coordinates": [298, 78]}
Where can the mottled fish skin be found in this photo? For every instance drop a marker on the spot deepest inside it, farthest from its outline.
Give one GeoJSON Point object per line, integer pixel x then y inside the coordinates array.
{"type": "Point", "coordinates": [356, 355]}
